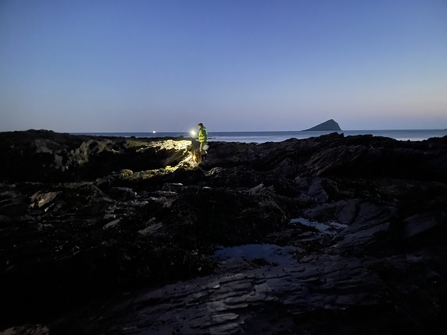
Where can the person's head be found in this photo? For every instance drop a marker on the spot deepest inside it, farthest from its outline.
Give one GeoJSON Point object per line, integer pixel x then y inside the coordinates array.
{"type": "Point", "coordinates": [200, 125]}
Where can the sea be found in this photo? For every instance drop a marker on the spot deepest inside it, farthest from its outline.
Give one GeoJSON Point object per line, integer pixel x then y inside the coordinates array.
{"type": "Point", "coordinates": [278, 136]}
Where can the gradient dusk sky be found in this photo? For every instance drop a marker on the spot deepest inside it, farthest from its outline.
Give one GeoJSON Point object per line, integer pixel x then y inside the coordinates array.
{"type": "Point", "coordinates": [235, 65]}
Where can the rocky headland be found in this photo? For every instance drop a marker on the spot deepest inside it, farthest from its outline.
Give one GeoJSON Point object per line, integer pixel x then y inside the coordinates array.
{"type": "Point", "coordinates": [326, 235]}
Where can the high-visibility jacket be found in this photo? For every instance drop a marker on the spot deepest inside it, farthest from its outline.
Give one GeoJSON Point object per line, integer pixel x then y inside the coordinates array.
{"type": "Point", "coordinates": [203, 135]}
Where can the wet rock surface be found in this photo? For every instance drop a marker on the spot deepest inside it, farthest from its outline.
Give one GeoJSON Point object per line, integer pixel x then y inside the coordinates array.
{"type": "Point", "coordinates": [327, 235]}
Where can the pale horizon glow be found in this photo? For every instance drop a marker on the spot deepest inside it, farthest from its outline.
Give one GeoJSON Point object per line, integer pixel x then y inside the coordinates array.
{"type": "Point", "coordinates": [234, 65]}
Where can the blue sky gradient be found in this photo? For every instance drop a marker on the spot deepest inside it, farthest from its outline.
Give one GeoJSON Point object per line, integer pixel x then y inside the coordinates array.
{"type": "Point", "coordinates": [92, 66]}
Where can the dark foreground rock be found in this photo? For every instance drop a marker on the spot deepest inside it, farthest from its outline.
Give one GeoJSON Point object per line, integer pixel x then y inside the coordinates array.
{"type": "Point", "coordinates": [119, 236]}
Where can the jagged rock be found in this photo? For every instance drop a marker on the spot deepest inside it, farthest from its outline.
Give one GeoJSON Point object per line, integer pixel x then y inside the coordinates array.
{"type": "Point", "coordinates": [418, 224]}
{"type": "Point", "coordinates": [317, 192]}
{"type": "Point", "coordinates": [112, 224]}
{"type": "Point", "coordinates": [172, 187]}
{"type": "Point", "coordinates": [346, 211]}
{"type": "Point", "coordinates": [27, 330]}
{"type": "Point", "coordinates": [40, 199]}
{"type": "Point", "coordinates": [122, 193]}
{"type": "Point", "coordinates": [48, 156]}
{"type": "Point", "coordinates": [360, 220]}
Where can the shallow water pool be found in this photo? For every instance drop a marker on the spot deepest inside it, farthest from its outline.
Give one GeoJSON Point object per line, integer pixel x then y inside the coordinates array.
{"type": "Point", "coordinates": [325, 228]}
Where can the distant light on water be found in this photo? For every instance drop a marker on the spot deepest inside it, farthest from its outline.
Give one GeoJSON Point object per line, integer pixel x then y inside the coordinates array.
{"type": "Point", "coordinates": [153, 131]}
{"type": "Point", "coordinates": [193, 133]}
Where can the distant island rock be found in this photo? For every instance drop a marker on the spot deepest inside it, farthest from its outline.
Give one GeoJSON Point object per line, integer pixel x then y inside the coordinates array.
{"type": "Point", "coordinates": [325, 126]}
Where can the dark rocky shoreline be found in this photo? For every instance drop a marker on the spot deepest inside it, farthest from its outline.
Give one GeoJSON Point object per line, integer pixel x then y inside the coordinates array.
{"type": "Point", "coordinates": [107, 235]}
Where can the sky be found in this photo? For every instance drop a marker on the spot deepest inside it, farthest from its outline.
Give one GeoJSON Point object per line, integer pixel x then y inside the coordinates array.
{"type": "Point", "coordinates": [234, 65]}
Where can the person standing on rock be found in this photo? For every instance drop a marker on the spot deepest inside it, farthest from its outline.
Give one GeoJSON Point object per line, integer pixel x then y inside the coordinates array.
{"type": "Point", "coordinates": [203, 139]}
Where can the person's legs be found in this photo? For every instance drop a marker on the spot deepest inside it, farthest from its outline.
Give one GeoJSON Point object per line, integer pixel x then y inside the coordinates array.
{"type": "Point", "coordinates": [203, 152]}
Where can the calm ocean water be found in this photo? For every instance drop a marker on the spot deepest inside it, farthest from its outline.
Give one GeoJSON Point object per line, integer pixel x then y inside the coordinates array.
{"type": "Point", "coordinates": [277, 136]}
